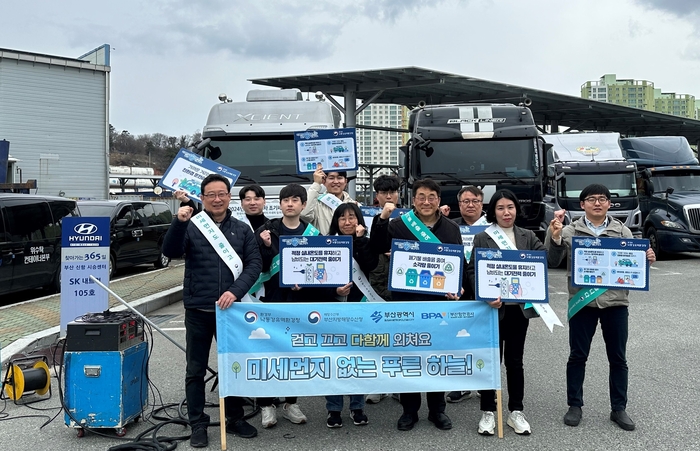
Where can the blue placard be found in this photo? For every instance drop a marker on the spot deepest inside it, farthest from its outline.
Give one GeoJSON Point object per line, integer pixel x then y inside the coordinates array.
{"type": "Point", "coordinates": [420, 267]}
{"type": "Point", "coordinates": [514, 275]}
{"type": "Point", "coordinates": [617, 263]}
{"type": "Point", "coordinates": [314, 261]}
{"type": "Point", "coordinates": [84, 253]}
{"type": "Point", "coordinates": [187, 171]}
{"type": "Point", "coordinates": [334, 150]}
{"type": "Point", "coordinates": [311, 349]}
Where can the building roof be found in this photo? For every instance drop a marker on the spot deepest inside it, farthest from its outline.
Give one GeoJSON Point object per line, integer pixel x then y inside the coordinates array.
{"type": "Point", "coordinates": [411, 85]}
{"type": "Point", "coordinates": [50, 60]}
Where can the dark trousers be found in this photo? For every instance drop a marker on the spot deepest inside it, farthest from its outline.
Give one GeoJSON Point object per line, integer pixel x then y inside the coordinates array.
{"type": "Point", "coordinates": [411, 402]}
{"type": "Point", "coordinates": [512, 330]}
{"type": "Point", "coordinates": [200, 329]}
{"type": "Point", "coordinates": [582, 326]}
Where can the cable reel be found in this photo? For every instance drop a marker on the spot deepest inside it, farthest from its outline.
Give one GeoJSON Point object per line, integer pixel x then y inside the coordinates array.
{"type": "Point", "coordinates": [19, 382]}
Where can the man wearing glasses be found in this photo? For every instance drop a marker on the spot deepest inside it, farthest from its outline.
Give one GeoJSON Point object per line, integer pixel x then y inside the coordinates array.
{"type": "Point", "coordinates": [610, 308]}
{"type": "Point", "coordinates": [426, 202]}
{"type": "Point", "coordinates": [471, 202]}
{"type": "Point", "coordinates": [320, 207]}
{"type": "Point", "coordinates": [213, 279]}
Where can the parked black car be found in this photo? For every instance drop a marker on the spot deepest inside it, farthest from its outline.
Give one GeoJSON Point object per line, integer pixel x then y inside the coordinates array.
{"type": "Point", "coordinates": [137, 230]}
{"type": "Point", "coordinates": [30, 241]}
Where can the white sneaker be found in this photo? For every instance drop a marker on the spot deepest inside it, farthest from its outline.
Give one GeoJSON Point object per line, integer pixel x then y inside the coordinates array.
{"type": "Point", "coordinates": [487, 424]}
{"type": "Point", "coordinates": [517, 421]}
{"type": "Point", "coordinates": [269, 416]}
{"type": "Point", "coordinates": [292, 412]}
{"type": "Point", "coordinates": [375, 398]}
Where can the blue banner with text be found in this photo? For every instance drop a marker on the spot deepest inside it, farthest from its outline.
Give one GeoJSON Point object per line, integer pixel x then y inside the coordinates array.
{"type": "Point", "coordinates": [311, 349]}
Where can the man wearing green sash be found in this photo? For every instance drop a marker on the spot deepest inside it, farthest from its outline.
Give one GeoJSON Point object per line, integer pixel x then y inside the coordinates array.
{"type": "Point", "coordinates": [292, 202]}
{"type": "Point", "coordinates": [424, 223]}
{"type": "Point", "coordinates": [588, 307]}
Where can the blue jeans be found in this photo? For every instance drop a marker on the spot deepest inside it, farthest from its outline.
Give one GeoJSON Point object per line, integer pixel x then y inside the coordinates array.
{"type": "Point", "coordinates": [200, 328]}
{"type": "Point", "coordinates": [582, 326]}
{"type": "Point", "coordinates": [334, 403]}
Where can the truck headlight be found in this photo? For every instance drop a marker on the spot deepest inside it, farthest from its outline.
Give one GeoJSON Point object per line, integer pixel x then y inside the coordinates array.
{"type": "Point", "coordinates": [671, 225]}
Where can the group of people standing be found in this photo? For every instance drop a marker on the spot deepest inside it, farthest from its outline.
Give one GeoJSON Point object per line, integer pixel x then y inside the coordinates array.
{"type": "Point", "coordinates": [210, 284]}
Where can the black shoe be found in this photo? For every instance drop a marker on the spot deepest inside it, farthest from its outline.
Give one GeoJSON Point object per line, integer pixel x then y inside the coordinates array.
{"type": "Point", "coordinates": [359, 417]}
{"type": "Point", "coordinates": [622, 419]}
{"type": "Point", "coordinates": [199, 438]}
{"type": "Point", "coordinates": [241, 428]}
{"type": "Point", "coordinates": [573, 416]}
{"type": "Point", "coordinates": [457, 396]}
{"type": "Point", "coordinates": [407, 421]}
{"type": "Point", "coordinates": [334, 419]}
{"type": "Point", "coordinates": [440, 420]}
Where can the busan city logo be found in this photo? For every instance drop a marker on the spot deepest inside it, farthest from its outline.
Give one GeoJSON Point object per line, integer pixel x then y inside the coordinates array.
{"type": "Point", "coordinates": [490, 254]}
{"type": "Point", "coordinates": [250, 317]}
{"type": "Point", "coordinates": [85, 228]}
{"type": "Point", "coordinates": [308, 135]}
{"type": "Point", "coordinates": [314, 317]}
{"type": "Point", "coordinates": [376, 316]}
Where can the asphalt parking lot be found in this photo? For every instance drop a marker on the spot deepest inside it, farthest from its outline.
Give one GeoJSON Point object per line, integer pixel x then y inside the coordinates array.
{"type": "Point", "coordinates": [662, 356]}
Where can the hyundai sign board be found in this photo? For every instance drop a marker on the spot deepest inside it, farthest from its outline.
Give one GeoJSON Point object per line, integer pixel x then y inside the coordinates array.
{"type": "Point", "coordinates": [84, 253]}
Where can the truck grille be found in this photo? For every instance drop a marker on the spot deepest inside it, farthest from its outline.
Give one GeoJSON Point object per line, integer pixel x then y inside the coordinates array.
{"type": "Point", "coordinates": [692, 214]}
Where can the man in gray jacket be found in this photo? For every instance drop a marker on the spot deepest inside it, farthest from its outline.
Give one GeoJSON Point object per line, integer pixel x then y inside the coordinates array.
{"type": "Point", "coordinates": [609, 308]}
{"type": "Point", "coordinates": [210, 284]}
{"type": "Point", "coordinates": [320, 207]}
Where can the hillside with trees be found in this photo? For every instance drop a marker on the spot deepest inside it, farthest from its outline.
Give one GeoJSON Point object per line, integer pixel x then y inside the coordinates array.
{"type": "Point", "coordinates": [151, 150]}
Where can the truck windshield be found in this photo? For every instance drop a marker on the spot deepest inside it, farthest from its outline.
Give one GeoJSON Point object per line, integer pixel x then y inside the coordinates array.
{"type": "Point", "coordinates": [620, 185]}
{"type": "Point", "coordinates": [266, 160]}
{"type": "Point", "coordinates": [678, 180]}
{"type": "Point", "coordinates": [481, 159]}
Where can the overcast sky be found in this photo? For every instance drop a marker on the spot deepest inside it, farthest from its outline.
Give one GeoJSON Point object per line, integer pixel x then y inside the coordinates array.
{"type": "Point", "coordinates": [171, 59]}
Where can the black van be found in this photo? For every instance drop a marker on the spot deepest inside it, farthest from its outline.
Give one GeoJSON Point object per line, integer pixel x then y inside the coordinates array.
{"type": "Point", "coordinates": [137, 230]}
{"type": "Point", "coordinates": [30, 241]}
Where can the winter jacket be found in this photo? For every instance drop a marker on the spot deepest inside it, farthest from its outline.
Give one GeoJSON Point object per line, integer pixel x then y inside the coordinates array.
{"type": "Point", "coordinates": [379, 277]}
{"type": "Point", "coordinates": [445, 230]}
{"type": "Point", "coordinates": [615, 229]}
{"type": "Point", "coordinates": [318, 213]}
{"type": "Point", "coordinates": [273, 291]}
{"type": "Point", "coordinates": [207, 277]}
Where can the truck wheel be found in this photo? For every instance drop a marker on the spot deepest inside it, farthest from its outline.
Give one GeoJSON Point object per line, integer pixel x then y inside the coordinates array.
{"type": "Point", "coordinates": [654, 242]}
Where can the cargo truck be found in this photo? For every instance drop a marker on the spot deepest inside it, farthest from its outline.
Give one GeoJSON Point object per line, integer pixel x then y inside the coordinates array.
{"type": "Point", "coordinates": [576, 160]}
{"type": "Point", "coordinates": [668, 181]}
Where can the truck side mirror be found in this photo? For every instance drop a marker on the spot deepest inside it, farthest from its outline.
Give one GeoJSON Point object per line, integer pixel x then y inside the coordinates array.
{"type": "Point", "coordinates": [121, 223]}
{"type": "Point", "coordinates": [669, 190]}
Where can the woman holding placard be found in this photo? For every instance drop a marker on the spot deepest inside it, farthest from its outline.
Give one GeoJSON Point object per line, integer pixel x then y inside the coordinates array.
{"type": "Point", "coordinates": [348, 220]}
{"type": "Point", "coordinates": [502, 211]}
